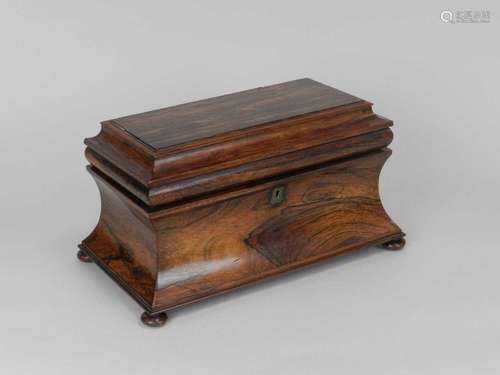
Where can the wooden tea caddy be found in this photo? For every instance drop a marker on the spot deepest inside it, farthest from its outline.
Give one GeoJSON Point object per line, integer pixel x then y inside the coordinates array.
{"type": "Point", "coordinates": [201, 198]}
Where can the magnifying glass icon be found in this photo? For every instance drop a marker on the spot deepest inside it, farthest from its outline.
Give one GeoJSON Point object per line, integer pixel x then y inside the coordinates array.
{"type": "Point", "coordinates": [447, 16]}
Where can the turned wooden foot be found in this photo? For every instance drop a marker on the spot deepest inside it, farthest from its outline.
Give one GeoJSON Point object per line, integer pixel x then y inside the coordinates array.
{"type": "Point", "coordinates": [154, 320]}
{"type": "Point", "coordinates": [83, 256]}
{"type": "Point", "coordinates": [394, 245]}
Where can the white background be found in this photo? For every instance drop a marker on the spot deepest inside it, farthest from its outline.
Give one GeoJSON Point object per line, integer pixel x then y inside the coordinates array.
{"type": "Point", "coordinates": [432, 309]}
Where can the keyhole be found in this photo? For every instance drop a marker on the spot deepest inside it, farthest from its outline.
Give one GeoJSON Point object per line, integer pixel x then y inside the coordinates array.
{"type": "Point", "coordinates": [277, 195]}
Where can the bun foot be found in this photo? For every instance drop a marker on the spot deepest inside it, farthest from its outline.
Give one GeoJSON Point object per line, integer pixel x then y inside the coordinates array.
{"type": "Point", "coordinates": [154, 320]}
{"type": "Point", "coordinates": [83, 256]}
{"type": "Point", "coordinates": [394, 245]}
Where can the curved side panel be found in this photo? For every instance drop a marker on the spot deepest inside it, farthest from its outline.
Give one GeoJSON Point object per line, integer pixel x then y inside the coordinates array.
{"type": "Point", "coordinates": [212, 246]}
{"type": "Point", "coordinates": [124, 243]}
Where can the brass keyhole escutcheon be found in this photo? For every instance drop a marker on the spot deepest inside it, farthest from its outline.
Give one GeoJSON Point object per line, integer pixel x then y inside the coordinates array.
{"type": "Point", "coordinates": [277, 195]}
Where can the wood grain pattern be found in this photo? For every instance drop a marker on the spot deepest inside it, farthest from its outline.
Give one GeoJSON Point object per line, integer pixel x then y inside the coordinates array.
{"type": "Point", "coordinates": [216, 244]}
{"type": "Point", "coordinates": [207, 118]}
{"type": "Point", "coordinates": [269, 136]}
{"type": "Point", "coordinates": [352, 217]}
{"type": "Point", "coordinates": [244, 173]}
{"type": "Point", "coordinates": [206, 197]}
{"type": "Point", "coordinates": [124, 242]}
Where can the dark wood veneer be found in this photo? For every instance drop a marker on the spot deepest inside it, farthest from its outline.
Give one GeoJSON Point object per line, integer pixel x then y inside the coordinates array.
{"type": "Point", "coordinates": [203, 198]}
{"type": "Point", "coordinates": [189, 122]}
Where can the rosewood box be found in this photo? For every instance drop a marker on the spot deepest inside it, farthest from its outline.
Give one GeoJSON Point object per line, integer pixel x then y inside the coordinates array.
{"type": "Point", "coordinates": [202, 198]}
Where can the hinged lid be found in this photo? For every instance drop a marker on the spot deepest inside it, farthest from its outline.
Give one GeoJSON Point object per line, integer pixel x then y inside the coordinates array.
{"type": "Point", "coordinates": [209, 145]}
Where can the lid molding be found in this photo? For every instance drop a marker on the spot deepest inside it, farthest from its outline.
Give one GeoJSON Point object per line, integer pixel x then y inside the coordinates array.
{"type": "Point", "coordinates": [204, 164]}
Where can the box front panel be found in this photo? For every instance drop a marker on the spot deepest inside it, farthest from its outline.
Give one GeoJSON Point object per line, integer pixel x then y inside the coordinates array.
{"type": "Point", "coordinates": [211, 246]}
